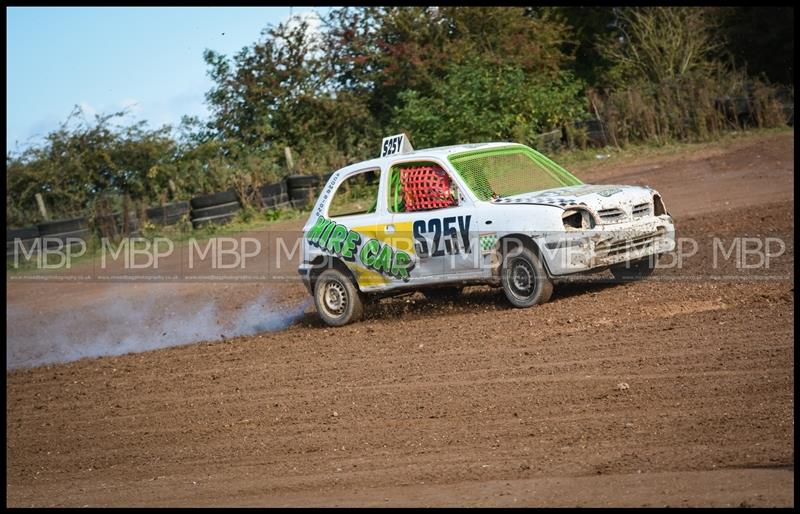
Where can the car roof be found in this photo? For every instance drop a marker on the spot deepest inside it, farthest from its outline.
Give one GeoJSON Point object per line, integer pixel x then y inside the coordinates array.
{"type": "Point", "coordinates": [440, 152]}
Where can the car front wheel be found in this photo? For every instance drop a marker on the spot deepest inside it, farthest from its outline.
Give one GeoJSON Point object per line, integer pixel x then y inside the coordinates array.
{"type": "Point", "coordinates": [337, 300]}
{"type": "Point", "coordinates": [524, 279]}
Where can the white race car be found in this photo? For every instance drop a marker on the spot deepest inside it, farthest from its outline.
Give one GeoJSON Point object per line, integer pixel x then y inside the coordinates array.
{"type": "Point", "coordinates": [495, 213]}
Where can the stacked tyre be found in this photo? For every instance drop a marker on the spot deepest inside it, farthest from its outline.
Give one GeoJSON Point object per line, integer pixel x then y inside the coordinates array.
{"type": "Point", "coordinates": [63, 232]}
{"type": "Point", "coordinates": [274, 196]}
{"type": "Point", "coordinates": [735, 109]}
{"type": "Point", "coordinates": [302, 189]}
{"type": "Point", "coordinates": [595, 135]}
{"type": "Point", "coordinates": [18, 239]}
{"type": "Point", "coordinates": [217, 208]}
{"type": "Point", "coordinates": [168, 214]}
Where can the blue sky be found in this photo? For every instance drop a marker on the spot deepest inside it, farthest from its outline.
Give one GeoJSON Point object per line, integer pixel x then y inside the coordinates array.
{"type": "Point", "coordinates": [104, 59]}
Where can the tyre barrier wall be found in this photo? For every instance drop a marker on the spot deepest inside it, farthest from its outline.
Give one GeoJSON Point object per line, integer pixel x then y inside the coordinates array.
{"type": "Point", "coordinates": [52, 234]}
{"type": "Point", "coordinates": [595, 135]}
{"type": "Point", "coordinates": [302, 189]}
{"type": "Point", "coordinates": [55, 233]}
{"type": "Point", "coordinates": [49, 234]}
{"type": "Point", "coordinates": [218, 208]}
{"type": "Point", "coordinates": [168, 214]}
{"type": "Point", "coordinates": [27, 236]}
{"type": "Point", "coordinates": [274, 196]}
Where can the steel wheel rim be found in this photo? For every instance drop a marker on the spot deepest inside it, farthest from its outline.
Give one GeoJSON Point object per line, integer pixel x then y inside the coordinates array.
{"type": "Point", "coordinates": [334, 298]}
{"type": "Point", "coordinates": [522, 279]}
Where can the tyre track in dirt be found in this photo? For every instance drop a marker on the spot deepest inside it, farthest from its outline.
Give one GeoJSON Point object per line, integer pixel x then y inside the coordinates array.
{"type": "Point", "coordinates": [436, 403]}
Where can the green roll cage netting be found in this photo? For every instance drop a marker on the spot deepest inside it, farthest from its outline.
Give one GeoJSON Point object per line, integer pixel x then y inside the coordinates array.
{"type": "Point", "coordinates": [395, 190]}
{"type": "Point", "coordinates": [507, 171]}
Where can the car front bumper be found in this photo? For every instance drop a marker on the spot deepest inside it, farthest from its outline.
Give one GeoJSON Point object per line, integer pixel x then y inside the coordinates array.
{"type": "Point", "coordinates": [605, 245]}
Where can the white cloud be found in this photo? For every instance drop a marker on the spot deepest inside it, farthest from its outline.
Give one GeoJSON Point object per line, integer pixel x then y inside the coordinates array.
{"type": "Point", "coordinates": [88, 110]}
{"type": "Point", "coordinates": [310, 17]}
{"type": "Point", "coordinates": [313, 29]}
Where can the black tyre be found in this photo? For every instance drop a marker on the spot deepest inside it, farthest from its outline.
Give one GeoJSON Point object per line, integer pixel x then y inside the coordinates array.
{"type": "Point", "coordinates": [159, 218]}
{"type": "Point", "coordinates": [22, 233]}
{"type": "Point", "coordinates": [443, 293]}
{"type": "Point", "coordinates": [210, 200]}
{"type": "Point", "coordinates": [276, 189]}
{"type": "Point", "coordinates": [636, 270]}
{"type": "Point", "coordinates": [55, 240]}
{"type": "Point", "coordinates": [337, 299]}
{"type": "Point", "coordinates": [300, 194]}
{"type": "Point", "coordinates": [300, 197]}
{"type": "Point", "coordinates": [168, 210]}
{"type": "Point", "coordinates": [301, 181]}
{"type": "Point", "coordinates": [274, 202]}
{"type": "Point", "coordinates": [170, 219]}
{"type": "Point", "coordinates": [217, 210]}
{"type": "Point", "coordinates": [22, 244]}
{"type": "Point", "coordinates": [524, 279]}
{"type": "Point", "coordinates": [61, 226]}
{"type": "Point", "coordinates": [327, 177]}
{"type": "Point", "coordinates": [175, 218]}
{"type": "Point", "coordinates": [217, 220]}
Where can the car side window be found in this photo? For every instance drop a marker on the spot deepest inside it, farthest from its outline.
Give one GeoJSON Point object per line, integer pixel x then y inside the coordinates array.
{"type": "Point", "coordinates": [421, 186]}
{"type": "Point", "coordinates": [357, 194]}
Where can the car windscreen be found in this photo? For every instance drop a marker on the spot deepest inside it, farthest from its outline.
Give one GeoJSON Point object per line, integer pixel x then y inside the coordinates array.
{"type": "Point", "coordinates": [508, 171]}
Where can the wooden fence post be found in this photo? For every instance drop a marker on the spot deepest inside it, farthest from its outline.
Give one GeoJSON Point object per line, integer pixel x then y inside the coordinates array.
{"type": "Point", "coordinates": [42, 208]}
{"type": "Point", "coordinates": [289, 161]}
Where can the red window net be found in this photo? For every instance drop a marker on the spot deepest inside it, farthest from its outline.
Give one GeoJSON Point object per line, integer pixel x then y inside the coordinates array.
{"type": "Point", "coordinates": [426, 187]}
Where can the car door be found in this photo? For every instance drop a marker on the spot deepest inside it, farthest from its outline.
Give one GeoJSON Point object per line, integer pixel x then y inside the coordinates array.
{"type": "Point", "coordinates": [356, 206]}
{"type": "Point", "coordinates": [442, 237]}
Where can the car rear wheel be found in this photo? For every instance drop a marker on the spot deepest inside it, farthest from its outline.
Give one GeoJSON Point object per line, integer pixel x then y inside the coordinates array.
{"type": "Point", "coordinates": [337, 299]}
{"type": "Point", "coordinates": [524, 279]}
{"type": "Point", "coordinates": [637, 270]}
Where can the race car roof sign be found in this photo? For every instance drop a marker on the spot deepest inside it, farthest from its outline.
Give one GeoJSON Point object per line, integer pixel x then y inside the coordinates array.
{"type": "Point", "coordinates": [396, 144]}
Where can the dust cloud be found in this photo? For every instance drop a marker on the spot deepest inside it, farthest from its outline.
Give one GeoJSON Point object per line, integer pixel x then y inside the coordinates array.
{"type": "Point", "coordinates": [117, 325]}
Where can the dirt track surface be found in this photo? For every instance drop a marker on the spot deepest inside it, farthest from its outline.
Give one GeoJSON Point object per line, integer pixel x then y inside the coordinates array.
{"type": "Point", "coordinates": [469, 403]}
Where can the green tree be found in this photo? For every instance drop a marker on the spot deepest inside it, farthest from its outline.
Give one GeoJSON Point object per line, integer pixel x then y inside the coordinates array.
{"type": "Point", "coordinates": [659, 44]}
{"type": "Point", "coordinates": [587, 26]}
{"type": "Point", "coordinates": [83, 160]}
{"type": "Point", "coordinates": [479, 101]}
{"type": "Point", "coordinates": [278, 93]}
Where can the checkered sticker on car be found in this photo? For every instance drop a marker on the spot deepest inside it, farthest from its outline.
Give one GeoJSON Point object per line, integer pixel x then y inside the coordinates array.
{"type": "Point", "coordinates": [488, 241]}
